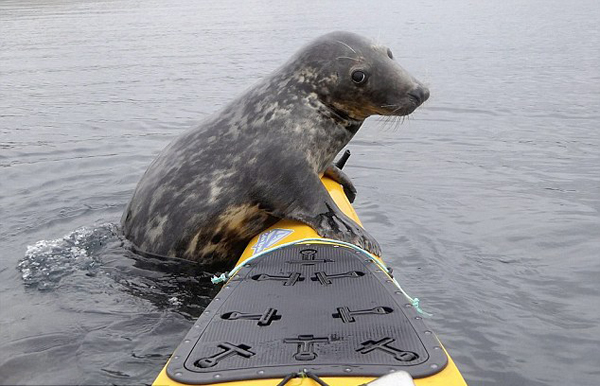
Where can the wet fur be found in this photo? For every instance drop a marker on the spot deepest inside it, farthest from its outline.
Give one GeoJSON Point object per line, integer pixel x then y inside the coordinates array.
{"type": "Point", "coordinates": [258, 160]}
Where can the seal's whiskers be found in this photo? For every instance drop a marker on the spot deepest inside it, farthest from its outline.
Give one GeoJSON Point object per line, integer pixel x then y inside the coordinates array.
{"type": "Point", "coordinates": [352, 49]}
{"type": "Point", "coordinates": [392, 118]}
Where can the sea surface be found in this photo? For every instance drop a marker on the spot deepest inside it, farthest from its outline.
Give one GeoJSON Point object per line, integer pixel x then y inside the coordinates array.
{"type": "Point", "coordinates": [486, 201]}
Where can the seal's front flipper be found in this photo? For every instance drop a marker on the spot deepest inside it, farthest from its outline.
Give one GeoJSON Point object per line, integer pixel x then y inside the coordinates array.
{"type": "Point", "coordinates": [334, 224]}
{"type": "Point", "coordinates": [342, 178]}
{"type": "Point", "coordinates": [314, 206]}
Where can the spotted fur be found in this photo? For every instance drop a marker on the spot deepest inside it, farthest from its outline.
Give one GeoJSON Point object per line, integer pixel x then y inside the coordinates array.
{"type": "Point", "coordinates": [259, 158]}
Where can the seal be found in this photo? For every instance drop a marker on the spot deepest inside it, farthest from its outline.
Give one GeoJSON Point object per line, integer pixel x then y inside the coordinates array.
{"type": "Point", "coordinates": [259, 159]}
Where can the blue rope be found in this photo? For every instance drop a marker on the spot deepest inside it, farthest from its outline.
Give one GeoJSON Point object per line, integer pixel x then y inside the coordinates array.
{"type": "Point", "coordinates": [218, 279]}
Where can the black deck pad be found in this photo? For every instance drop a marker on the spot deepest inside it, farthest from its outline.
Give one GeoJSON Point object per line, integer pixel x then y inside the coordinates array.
{"type": "Point", "coordinates": [321, 308]}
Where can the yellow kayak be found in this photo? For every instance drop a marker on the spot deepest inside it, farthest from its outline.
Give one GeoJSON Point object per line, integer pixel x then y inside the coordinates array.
{"type": "Point", "coordinates": [302, 310]}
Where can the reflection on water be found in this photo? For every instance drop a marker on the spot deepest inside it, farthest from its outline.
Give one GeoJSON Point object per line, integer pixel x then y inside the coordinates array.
{"type": "Point", "coordinates": [485, 201]}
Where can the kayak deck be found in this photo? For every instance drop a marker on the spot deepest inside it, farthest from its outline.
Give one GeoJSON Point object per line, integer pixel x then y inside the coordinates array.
{"type": "Point", "coordinates": [323, 308]}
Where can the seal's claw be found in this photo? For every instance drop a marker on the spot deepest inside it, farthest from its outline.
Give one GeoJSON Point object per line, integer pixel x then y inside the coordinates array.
{"type": "Point", "coordinates": [370, 244]}
{"type": "Point", "coordinates": [342, 178]}
{"type": "Point", "coordinates": [340, 227]}
{"type": "Point", "coordinates": [350, 193]}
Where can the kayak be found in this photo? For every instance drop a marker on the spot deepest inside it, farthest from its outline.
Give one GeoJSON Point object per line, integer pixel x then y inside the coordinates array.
{"type": "Point", "coordinates": [299, 309]}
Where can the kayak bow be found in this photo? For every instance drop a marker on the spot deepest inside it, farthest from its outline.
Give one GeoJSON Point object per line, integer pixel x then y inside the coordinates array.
{"type": "Point", "coordinates": [302, 310]}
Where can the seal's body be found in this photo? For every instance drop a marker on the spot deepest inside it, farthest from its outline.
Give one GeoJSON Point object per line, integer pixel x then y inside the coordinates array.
{"type": "Point", "coordinates": [259, 159]}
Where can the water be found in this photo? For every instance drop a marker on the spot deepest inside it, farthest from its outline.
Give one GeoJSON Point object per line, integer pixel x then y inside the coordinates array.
{"type": "Point", "coordinates": [486, 201]}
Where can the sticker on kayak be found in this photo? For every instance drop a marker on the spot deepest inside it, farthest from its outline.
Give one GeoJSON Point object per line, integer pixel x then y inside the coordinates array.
{"type": "Point", "coordinates": [270, 238]}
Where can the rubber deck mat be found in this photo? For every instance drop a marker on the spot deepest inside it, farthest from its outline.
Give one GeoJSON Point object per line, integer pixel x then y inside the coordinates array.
{"type": "Point", "coordinates": [321, 308]}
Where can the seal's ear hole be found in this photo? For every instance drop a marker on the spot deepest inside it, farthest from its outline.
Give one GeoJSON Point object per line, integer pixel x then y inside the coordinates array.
{"type": "Point", "coordinates": [359, 77]}
{"type": "Point", "coordinates": [389, 52]}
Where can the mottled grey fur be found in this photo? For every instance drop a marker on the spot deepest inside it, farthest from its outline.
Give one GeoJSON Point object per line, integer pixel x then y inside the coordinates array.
{"type": "Point", "coordinates": [259, 158]}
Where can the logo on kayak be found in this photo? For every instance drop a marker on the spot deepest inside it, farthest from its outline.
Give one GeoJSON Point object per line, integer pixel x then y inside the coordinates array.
{"type": "Point", "coordinates": [270, 238]}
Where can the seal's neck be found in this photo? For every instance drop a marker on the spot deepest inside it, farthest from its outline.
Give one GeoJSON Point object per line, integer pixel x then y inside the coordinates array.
{"type": "Point", "coordinates": [340, 117]}
{"type": "Point", "coordinates": [337, 130]}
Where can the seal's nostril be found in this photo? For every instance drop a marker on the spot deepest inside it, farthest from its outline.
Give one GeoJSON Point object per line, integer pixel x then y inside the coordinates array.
{"type": "Point", "coordinates": [425, 94]}
{"type": "Point", "coordinates": [416, 96]}
{"type": "Point", "coordinates": [419, 94]}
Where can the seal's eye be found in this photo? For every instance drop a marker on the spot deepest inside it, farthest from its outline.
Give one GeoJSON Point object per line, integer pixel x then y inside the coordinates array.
{"type": "Point", "coordinates": [359, 77]}
{"type": "Point", "coordinates": [389, 52]}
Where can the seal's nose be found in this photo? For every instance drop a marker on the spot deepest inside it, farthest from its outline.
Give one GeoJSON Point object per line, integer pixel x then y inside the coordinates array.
{"type": "Point", "coordinates": [420, 94]}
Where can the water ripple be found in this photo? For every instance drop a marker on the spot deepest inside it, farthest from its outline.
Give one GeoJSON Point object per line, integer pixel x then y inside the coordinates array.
{"type": "Point", "coordinates": [485, 201]}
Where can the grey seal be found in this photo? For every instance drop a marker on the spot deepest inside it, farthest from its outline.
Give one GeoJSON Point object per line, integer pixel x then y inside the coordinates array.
{"type": "Point", "coordinates": [259, 159]}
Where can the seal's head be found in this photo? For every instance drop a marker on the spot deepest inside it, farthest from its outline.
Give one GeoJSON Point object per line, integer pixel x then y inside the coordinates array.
{"type": "Point", "coordinates": [356, 77]}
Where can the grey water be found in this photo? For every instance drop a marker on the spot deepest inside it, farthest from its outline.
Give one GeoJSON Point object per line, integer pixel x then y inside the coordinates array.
{"type": "Point", "coordinates": [486, 201]}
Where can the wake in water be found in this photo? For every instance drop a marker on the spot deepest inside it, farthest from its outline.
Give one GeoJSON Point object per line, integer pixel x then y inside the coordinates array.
{"type": "Point", "coordinates": [48, 261]}
{"type": "Point", "coordinates": [100, 258]}
{"type": "Point", "coordinates": [107, 315]}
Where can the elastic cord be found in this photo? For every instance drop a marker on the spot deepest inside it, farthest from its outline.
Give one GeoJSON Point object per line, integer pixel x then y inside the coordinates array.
{"type": "Point", "coordinates": [302, 374]}
{"type": "Point", "coordinates": [225, 276]}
